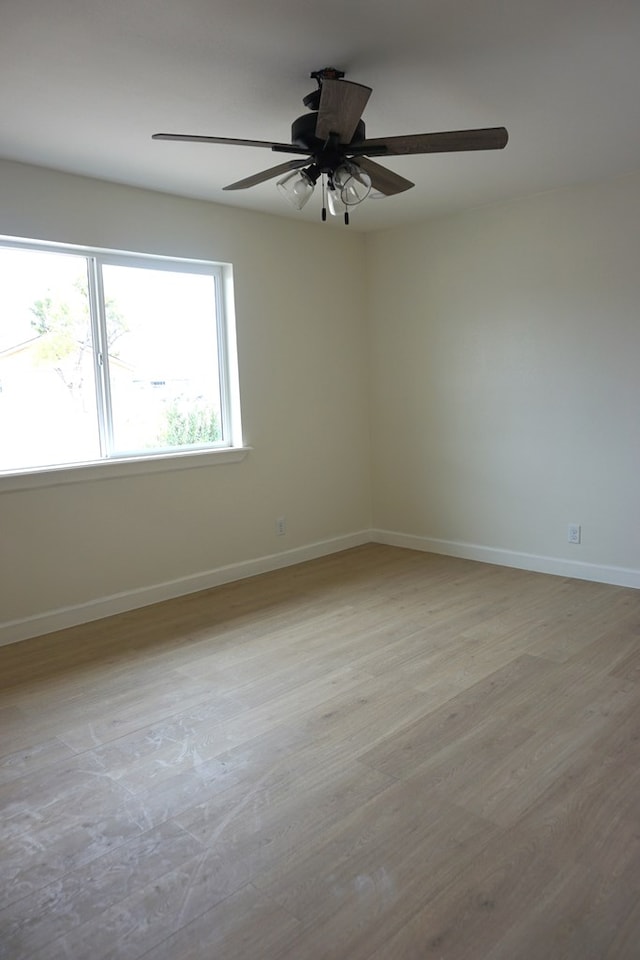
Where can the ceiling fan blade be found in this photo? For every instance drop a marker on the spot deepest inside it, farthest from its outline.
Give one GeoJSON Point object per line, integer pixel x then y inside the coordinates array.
{"type": "Point", "coordinates": [490, 138]}
{"type": "Point", "coordinates": [192, 138]}
{"type": "Point", "coordinates": [266, 175]}
{"type": "Point", "coordinates": [340, 109]}
{"type": "Point", "coordinates": [382, 179]}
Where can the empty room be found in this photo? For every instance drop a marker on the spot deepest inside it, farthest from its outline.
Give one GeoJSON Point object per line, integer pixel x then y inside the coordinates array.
{"type": "Point", "coordinates": [319, 480]}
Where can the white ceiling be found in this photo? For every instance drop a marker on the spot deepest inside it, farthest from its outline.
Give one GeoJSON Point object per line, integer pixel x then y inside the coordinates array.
{"type": "Point", "coordinates": [84, 84]}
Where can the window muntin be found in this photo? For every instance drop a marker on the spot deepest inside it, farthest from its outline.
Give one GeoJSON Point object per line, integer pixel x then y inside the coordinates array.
{"type": "Point", "coordinates": [107, 356]}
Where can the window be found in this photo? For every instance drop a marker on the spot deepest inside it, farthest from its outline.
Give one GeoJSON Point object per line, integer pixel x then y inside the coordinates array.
{"type": "Point", "coordinates": [106, 356]}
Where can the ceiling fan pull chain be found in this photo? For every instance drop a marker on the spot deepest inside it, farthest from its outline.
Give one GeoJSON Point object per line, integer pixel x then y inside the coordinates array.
{"type": "Point", "coordinates": [346, 218]}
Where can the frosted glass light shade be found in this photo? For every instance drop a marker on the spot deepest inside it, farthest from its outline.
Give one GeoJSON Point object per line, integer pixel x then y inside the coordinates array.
{"type": "Point", "coordinates": [353, 183]}
{"type": "Point", "coordinates": [335, 202]}
{"type": "Point", "coordinates": [297, 187]}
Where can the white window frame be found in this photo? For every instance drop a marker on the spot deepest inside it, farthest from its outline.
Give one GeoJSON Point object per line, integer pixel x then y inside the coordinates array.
{"type": "Point", "coordinates": [112, 464]}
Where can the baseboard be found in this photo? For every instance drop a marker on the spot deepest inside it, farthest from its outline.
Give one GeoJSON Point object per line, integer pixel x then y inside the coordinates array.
{"type": "Point", "coordinates": [15, 630]}
{"type": "Point", "coordinates": [619, 576]}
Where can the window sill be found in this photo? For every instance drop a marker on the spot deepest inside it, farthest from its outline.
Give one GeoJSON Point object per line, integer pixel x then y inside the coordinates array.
{"type": "Point", "coordinates": [124, 467]}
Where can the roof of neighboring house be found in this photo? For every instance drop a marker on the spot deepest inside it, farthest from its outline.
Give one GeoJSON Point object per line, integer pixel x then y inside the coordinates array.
{"type": "Point", "coordinates": [18, 347]}
{"type": "Point", "coordinates": [27, 345]}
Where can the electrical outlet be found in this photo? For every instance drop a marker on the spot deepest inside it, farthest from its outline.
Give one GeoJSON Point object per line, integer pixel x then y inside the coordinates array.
{"type": "Point", "coordinates": [573, 533]}
{"type": "Point", "coordinates": [281, 526]}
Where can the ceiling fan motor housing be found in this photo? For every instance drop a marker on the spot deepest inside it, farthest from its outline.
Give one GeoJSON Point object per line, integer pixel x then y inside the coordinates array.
{"type": "Point", "coordinates": [303, 133]}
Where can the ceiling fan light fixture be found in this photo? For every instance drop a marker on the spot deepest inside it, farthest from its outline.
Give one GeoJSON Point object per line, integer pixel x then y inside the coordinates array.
{"type": "Point", "coordinates": [297, 186]}
{"type": "Point", "coordinates": [353, 183]}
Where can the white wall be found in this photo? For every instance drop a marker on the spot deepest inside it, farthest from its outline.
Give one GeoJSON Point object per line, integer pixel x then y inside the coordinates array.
{"type": "Point", "coordinates": [498, 377]}
{"type": "Point", "coordinates": [505, 351]}
{"type": "Point", "coordinates": [302, 355]}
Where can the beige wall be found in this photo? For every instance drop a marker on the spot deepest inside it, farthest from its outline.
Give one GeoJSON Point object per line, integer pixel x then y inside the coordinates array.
{"type": "Point", "coordinates": [506, 376]}
{"type": "Point", "coordinates": [493, 357]}
{"type": "Point", "coordinates": [301, 340]}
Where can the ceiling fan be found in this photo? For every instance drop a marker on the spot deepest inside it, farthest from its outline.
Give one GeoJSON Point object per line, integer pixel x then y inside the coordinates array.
{"type": "Point", "coordinates": [332, 141]}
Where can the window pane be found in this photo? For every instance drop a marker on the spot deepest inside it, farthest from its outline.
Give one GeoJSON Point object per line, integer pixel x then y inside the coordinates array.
{"type": "Point", "coordinates": [47, 381]}
{"type": "Point", "coordinates": [163, 358]}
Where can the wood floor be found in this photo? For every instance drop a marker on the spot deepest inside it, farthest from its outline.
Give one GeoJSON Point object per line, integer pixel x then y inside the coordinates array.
{"type": "Point", "coordinates": [380, 755]}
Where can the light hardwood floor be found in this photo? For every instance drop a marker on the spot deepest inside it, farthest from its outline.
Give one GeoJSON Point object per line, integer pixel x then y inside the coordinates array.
{"type": "Point", "coordinates": [380, 755]}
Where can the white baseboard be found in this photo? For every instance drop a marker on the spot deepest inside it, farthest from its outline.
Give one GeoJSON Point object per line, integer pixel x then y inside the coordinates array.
{"type": "Point", "coordinates": [620, 576]}
{"type": "Point", "coordinates": [15, 630]}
